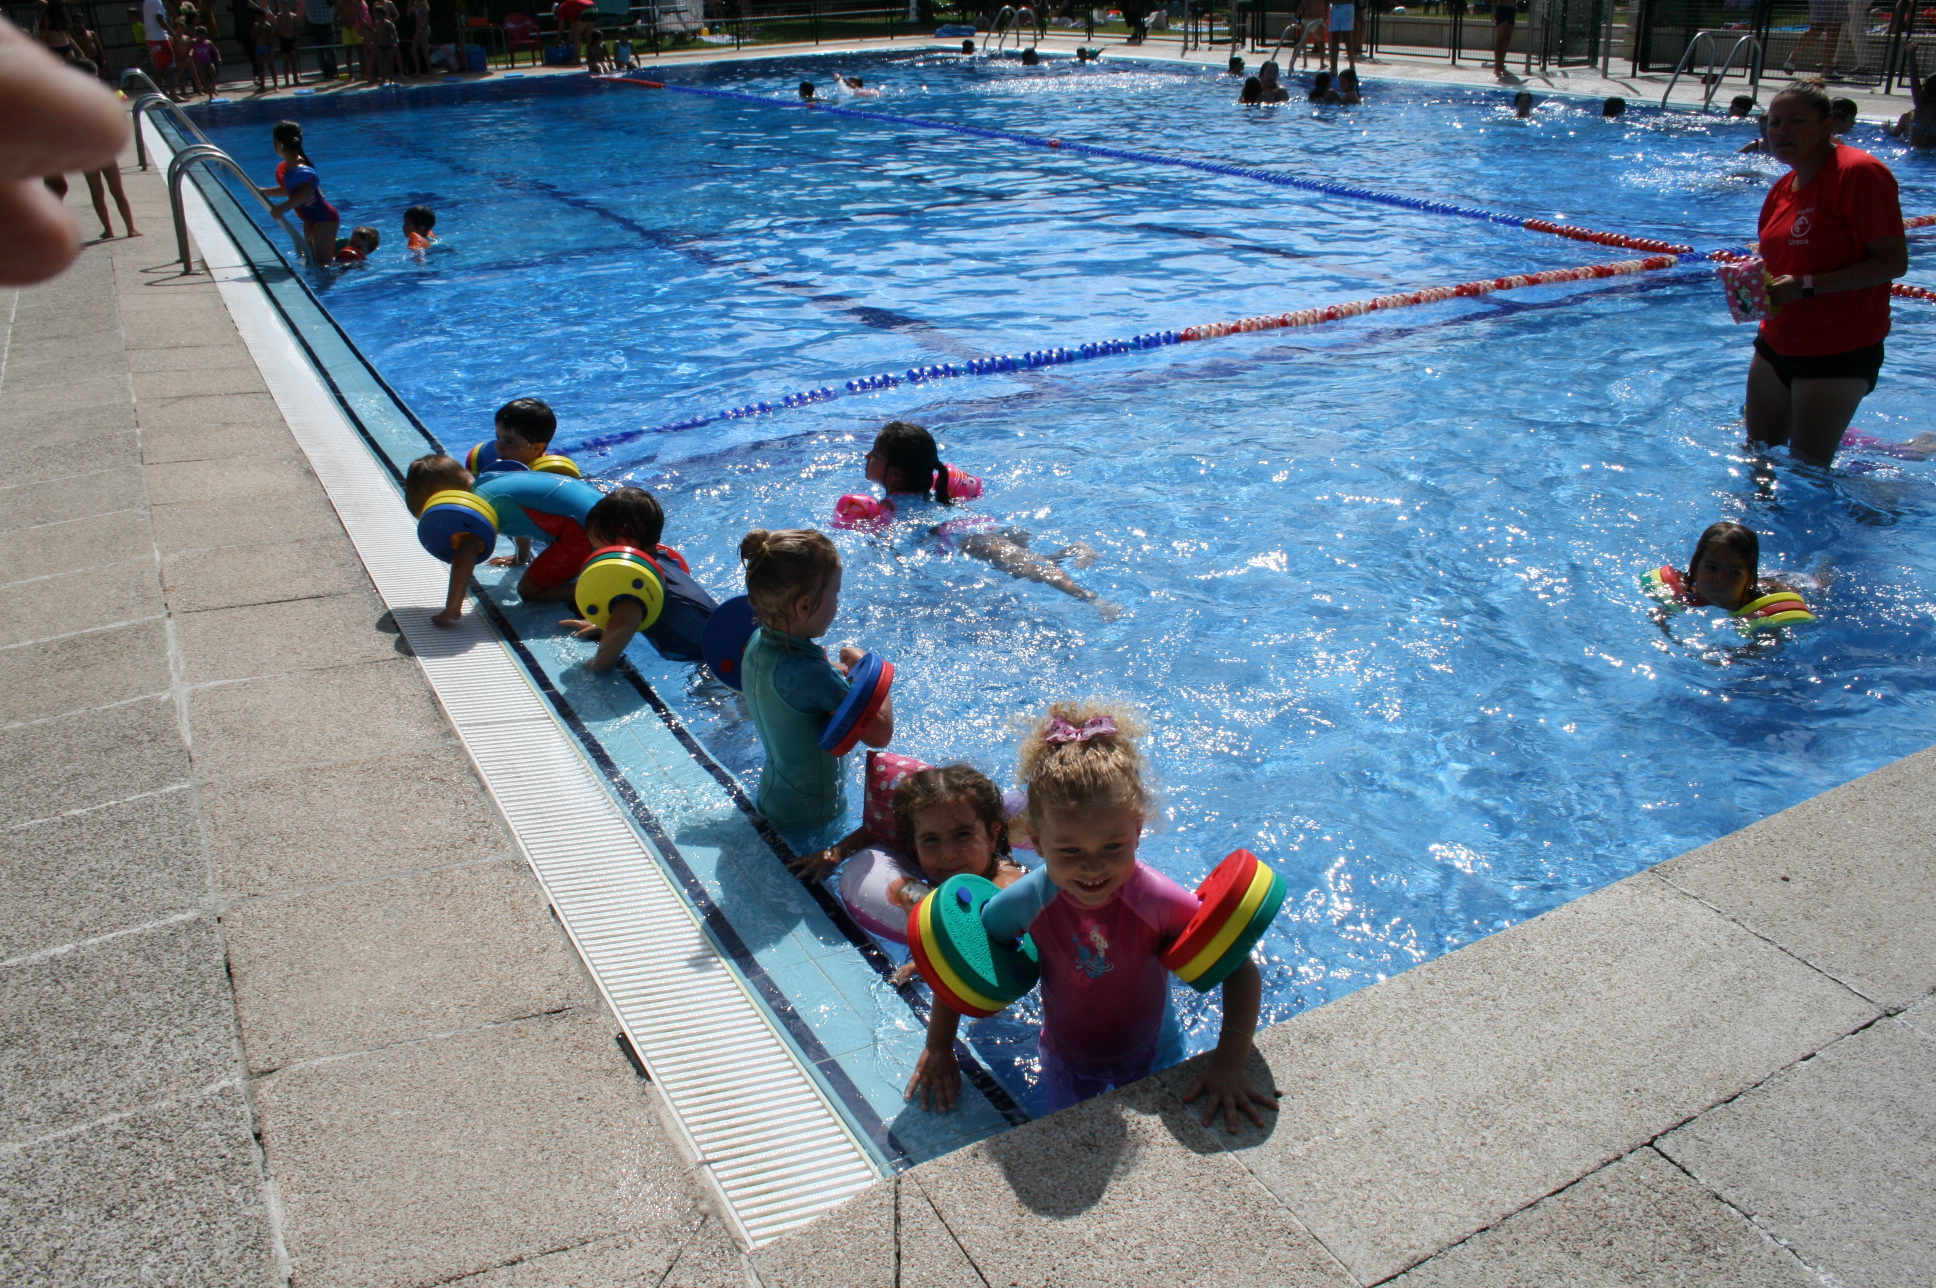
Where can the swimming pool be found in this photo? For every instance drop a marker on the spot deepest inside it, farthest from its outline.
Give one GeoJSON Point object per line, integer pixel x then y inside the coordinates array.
{"type": "Point", "coordinates": [1378, 577]}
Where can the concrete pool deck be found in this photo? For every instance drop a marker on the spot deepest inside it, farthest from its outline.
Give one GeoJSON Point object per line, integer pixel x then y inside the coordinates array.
{"type": "Point", "coordinates": [278, 1001]}
{"type": "Point", "coordinates": [1396, 63]}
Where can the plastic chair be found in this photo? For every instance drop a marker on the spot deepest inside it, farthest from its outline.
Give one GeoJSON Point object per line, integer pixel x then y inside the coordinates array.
{"type": "Point", "coordinates": [521, 32]}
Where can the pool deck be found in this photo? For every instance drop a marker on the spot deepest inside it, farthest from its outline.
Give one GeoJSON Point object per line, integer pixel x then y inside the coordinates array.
{"type": "Point", "coordinates": [1397, 63]}
{"type": "Point", "coordinates": [279, 1003]}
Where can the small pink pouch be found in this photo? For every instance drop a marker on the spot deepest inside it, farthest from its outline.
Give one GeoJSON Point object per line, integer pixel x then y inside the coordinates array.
{"type": "Point", "coordinates": [1746, 285]}
{"type": "Point", "coordinates": [885, 771]}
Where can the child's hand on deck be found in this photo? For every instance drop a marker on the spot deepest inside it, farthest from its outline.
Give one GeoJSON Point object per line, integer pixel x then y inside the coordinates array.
{"type": "Point", "coordinates": [582, 630]}
{"type": "Point", "coordinates": [936, 1083]}
{"type": "Point", "coordinates": [505, 561]}
{"type": "Point", "coordinates": [1229, 1089]}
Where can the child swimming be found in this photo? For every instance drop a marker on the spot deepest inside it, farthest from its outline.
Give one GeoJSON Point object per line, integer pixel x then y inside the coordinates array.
{"type": "Point", "coordinates": [359, 246]}
{"type": "Point", "coordinates": [906, 463]}
{"type": "Point", "coordinates": [1725, 573]}
{"type": "Point", "coordinates": [632, 516]}
{"type": "Point", "coordinates": [791, 689]}
{"type": "Point", "coordinates": [1100, 919]}
{"type": "Point", "coordinates": [419, 228]}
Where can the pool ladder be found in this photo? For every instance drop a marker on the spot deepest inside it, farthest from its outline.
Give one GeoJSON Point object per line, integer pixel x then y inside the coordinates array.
{"type": "Point", "coordinates": [1294, 32]}
{"type": "Point", "coordinates": [200, 152]}
{"type": "Point", "coordinates": [1704, 40]}
{"type": "Point", "coordinates": [1008, 22]}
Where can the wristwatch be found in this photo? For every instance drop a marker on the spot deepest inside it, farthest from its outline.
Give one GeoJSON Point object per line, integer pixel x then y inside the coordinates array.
{"type": "Point", "coordinates": [1808, 286]}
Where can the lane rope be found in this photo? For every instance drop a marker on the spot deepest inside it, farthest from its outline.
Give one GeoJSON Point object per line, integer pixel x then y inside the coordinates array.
{"type": "Point", "coordinates": [1036, 359]}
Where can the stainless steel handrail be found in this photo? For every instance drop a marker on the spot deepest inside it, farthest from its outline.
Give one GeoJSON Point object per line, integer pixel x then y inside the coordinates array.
{"type": "Point", "coordinates": [146, 102]}
{"type": "Point", "coordinates": [999, 27]}
{"type": "Point", "coordinates": [1711, 81]}
{"type": "Point", "coordinates": [207, 152]}
{"type": "Point", "coordinates": [1284, 38]}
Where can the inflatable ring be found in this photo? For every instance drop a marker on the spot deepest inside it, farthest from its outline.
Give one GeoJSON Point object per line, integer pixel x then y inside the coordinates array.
{"type": "Point", "coordinates": [727, 630]}
{"type": "Point", "coordinates": [449, 514]}
{"type": "Point", "coordinates": [481, 457]}
{"type": "Point", "coordinates": [969, 972]}
{"type": "Point", "coordinates": [619, 572]}
{"type": "Point", "coordinates": [667, 552]}
{"type": "Point", "coordinates": [867, 688]}
{"type": "Point", "coordinates": [880, 888]}
{"type": "Point", "coordinates": [1239, 899]}
{"type": "Point", "coordinates": [551, 464]}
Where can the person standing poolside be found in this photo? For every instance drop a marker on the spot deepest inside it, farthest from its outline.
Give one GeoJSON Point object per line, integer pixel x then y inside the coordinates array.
{"type": "Point", "coordinates": [1504, 15]}
{"type": "Point", "coordinates": [1313, 15]}
{"type": "Point", "coordinates": [1344, 30]}
{"type": "Point", "coordinates": [288, 22]}
{"type": "Point", "coordinates": [1832, 238]}
{"type": "Point", "coordinates": [319, 18]}
{"type": "Point", "coordinates": [353, 16]}
{"type": "Point", "coordinates": [1825, 22]}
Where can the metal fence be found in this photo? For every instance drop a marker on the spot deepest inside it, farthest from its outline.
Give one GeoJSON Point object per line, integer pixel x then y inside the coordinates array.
{"type": "Point", "coordinates": [1848, 41]}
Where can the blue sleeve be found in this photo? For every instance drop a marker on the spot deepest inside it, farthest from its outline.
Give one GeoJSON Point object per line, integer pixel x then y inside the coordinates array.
{"type": "Point", "coordinates": [1014, 910]}
{"type": "Point", "coordinates": [296, 176]}
{"type": "Point", "coordinates": [809, 685]}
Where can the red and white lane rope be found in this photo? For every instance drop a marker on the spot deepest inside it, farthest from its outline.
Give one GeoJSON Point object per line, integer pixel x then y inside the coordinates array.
{"type": "Point", "coordinates": [1429, 295]}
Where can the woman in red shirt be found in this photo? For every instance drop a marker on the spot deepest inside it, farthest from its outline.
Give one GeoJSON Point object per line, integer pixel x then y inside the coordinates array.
{"type": "Point", "coordinates": [1831, 235]}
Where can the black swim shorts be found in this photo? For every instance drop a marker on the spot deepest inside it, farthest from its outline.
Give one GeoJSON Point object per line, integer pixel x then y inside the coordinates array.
{"type": "Point", "coordinates": [288, 44]}
{"type": "Point", "coordinates": [1506, 13]}
{"type": "Point", "coordinates": [1856, 364]}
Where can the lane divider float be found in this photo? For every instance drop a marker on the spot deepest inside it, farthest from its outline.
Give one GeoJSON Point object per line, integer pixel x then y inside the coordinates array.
{"type": "Point", "coordinates": [1036, 359]}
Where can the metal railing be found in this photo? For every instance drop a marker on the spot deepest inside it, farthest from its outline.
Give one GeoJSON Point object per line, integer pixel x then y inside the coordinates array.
{"type": "Point", "coordinates": [1009, 22]}
{"type": "Point", "coordinates": [1711, 80]}
{"type": "Point", "coordinates": [144, 103]}
{"type": "Point", "coordinates": [1293, 35]}
{"type": "Point", "coordinates": [208, 153]}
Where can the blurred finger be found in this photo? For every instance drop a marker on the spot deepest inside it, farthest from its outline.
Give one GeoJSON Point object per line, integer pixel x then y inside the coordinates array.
{"type": "Point", "coordinates": [38, 238]}
{"type": "Point", "coordinates": [78, 123]}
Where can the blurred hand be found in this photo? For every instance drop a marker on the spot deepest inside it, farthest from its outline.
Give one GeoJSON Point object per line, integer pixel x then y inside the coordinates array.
{"type": "Point", "coordinates": [76, 125]}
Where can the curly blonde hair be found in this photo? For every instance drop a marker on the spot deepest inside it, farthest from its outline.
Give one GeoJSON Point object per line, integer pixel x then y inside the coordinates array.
{"type": "Point", "coordinates": [1104, 769]}
{"type": "Point", "coordinates": [783, 566]}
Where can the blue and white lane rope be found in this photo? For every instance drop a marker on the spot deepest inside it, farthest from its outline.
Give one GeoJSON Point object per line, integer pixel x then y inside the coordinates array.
{"type": "Point", "coordinates": [1036, 359]}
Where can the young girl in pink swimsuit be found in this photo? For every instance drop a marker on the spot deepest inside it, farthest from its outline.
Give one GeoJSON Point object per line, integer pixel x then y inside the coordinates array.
{"type": "Point", "coordinates": [1100, 919]}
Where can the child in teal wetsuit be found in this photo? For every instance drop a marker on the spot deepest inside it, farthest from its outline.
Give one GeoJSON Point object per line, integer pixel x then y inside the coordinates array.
{"type": "Point", "coordinates": [791, 689]}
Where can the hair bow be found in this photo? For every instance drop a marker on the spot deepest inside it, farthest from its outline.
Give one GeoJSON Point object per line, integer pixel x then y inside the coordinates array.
{"type": "Point", "coordinates": [1061, 730]}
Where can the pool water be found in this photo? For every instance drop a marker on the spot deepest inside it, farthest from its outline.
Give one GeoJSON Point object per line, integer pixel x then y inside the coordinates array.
{"type": "Point", "coordinates": [1377, 579]}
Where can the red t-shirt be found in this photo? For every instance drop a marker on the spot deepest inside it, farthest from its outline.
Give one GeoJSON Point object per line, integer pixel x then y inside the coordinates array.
{"type": "Point", "coordinates": [568, 10]}
{"type": "Point", "coordinates": [1829, 225]}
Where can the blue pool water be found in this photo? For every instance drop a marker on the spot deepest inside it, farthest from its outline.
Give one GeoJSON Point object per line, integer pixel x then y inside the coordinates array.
{"type": "Point", "coordinates": [1377, 578]}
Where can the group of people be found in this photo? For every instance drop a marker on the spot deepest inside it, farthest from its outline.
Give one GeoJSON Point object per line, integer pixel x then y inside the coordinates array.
{"type": "Point", "coordinates": [298, 189]}
{"type": "Point", "coordinates": [1100, 917]}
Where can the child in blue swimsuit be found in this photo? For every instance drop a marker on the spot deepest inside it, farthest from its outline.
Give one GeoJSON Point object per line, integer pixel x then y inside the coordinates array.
{"type": "Point", "coordinates": [302, 191]}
